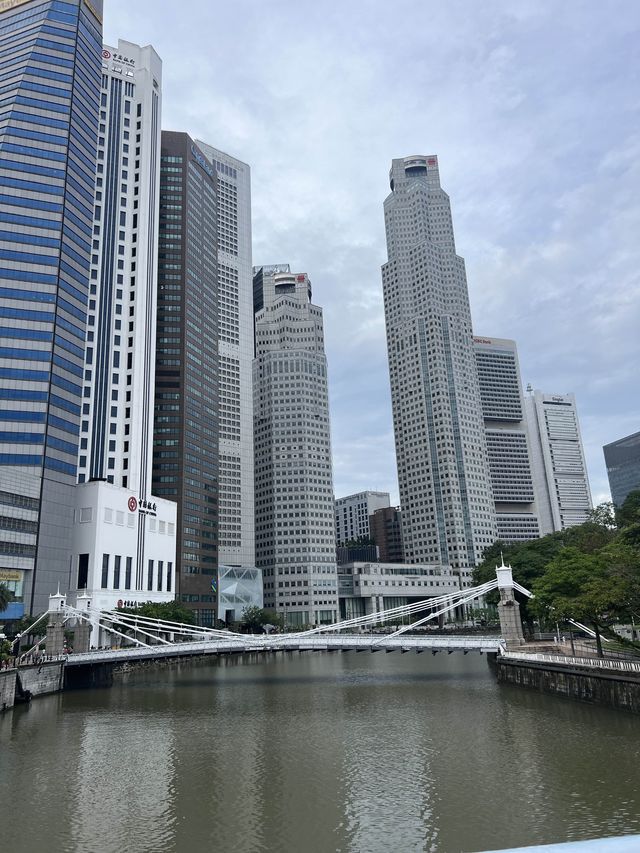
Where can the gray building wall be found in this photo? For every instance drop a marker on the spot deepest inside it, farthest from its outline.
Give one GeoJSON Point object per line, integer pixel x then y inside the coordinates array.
{"type": "Point", "coordinates": [559, 469]}
{"type": "Point", "coordinates": [295, 525]}
{"type": "Point", "coordinates": [622, 458]}
{"type": "Point", "coordinates": [507, 439]}
{"type": "Point", "coordinates": [448, 513]}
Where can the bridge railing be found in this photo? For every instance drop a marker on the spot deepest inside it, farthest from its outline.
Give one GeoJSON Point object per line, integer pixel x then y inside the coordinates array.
{"type": "Point", "coordinates": [566, 660]}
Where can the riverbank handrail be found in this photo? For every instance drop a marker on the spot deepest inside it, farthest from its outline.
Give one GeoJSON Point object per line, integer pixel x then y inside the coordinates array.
{"type": "Point", "coordinates": [567, 660]}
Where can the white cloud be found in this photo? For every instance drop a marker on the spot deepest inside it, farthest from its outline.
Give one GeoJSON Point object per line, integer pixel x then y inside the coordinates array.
{"type": "Point", "coordinates": [534, 114]}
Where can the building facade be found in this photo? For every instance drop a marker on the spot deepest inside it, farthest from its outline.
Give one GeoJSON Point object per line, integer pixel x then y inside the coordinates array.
{"type": "Point", "coordinates": [117, 548]}
{"type": "Point", "coordinates": [385, 526]}
{"type": "Point", "coordinates": [185, 440]}
{"type": "Point", "coordinates": [352, 514]}
{"type": "Point", "coordinates": [448, 514]}
{"type": "Point", "coordinates": [507, 439]}
{"type": "Point", "coordinates": [50, 97]}
{"type": "Point", "coordinates": [622, 458]}
{"type": "Point", "coordinates": [117, 427]}
{"type": "Point", "coordinates": [561, 484]}
{"type": "Point", "coordinates": [235, 353]}
{"type": "Point", "coordinates": [373, 587]}
{"type": "Point", "coordinates": [295, 524]}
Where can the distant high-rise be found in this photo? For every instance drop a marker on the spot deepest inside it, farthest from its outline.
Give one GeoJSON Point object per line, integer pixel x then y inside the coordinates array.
{"type": "Point", "coordinates": [622, 458]}
{"type": "Point", "coordinates": [448, 514]}
{"type": "Point", "coordinates": [561, 484]}
{"type": "Point", "coordinates": [507, 442]}
{"type": "Point", "coordinates": [235, 352]}
{"type": "Point", "coordinates": [295, 525]}
{"type": "Point", "coordinates": [352, 514]}
{"type": "Point", "coordinates": [48, 133]}
{"type": "Point", "coordinates": [124, 537]}
{"type": "Point", "coordinates": [385, 525]}
{"type": "Point", "coordinates": [185, 451]}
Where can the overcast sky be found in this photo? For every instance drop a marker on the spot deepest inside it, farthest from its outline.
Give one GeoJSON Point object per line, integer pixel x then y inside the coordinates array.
{"type": "Point", "coordinates": [532, 107]}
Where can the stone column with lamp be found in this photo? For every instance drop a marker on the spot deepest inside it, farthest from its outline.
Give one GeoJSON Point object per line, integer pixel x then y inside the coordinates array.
{"type": "Point", "coordinates": [509, 609]}
{"type": "Point", "coordinates": [54, 643]}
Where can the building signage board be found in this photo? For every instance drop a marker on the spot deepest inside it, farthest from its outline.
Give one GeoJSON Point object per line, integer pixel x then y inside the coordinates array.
{"type": "Point", "coordinates": [201, 160]}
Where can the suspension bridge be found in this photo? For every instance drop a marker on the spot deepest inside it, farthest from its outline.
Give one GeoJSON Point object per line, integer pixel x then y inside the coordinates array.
{"type": "Point", "coordinates": [126, 637]}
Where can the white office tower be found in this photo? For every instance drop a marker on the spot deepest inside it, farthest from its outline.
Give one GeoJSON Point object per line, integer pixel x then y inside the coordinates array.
{"type": "Point", "coordinates": [448, 514]}
{"type": "Point", "coordinates": [235, 348]}
{"type": "Point", "coordinates": [507, 441]}
{"type": "Point", "coordinates": [295, 528]}
{"type": "Point", "coordinates": [560, 476]}
{"type": "Point", "coordinates": [352, 514]}
{"type": "Point", "coordinates": [124, 541]}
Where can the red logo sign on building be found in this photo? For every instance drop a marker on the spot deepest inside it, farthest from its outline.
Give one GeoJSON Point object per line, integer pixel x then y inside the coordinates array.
{"type": "Point", "coordinates": [106, 54]}
{"type": "Point", "coordinates": [132, 503]}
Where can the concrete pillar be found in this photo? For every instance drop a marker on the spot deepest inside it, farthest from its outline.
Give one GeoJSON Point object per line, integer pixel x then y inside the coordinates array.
{"type": "Point", "coordinates": [54, 644]}
{"type": "Point", "coordinates": [83, 629]}
{"type": "Point", "coordinates": [508, 608]}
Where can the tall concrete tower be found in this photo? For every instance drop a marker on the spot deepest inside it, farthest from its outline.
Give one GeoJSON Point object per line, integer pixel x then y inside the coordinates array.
{"type": "Point", "coordinates": [508, 443]}
{"type": "Point", "coordinates": [559, 468]}
{"type": "Point", "coordinates": [295, 524]}
{"type": "Point", "coordinates": [235, 354]}
{"type": "Point", "coordinates": [185, 442]}
{"type": "Point", "coordinates": [117, 427]}
{"type": "Point", "coordinates": [124, 539]}
{"type": "Point", "coordinates": [448, 513]}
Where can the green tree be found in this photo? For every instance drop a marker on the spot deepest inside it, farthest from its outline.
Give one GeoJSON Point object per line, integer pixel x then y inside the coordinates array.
{"type": "Point", "coordinates": [255, 618]}
{"type": "Point", "coordinates": [6, 597]}
{"type": "Point", "coordinates": [629, 513]}
{"type": "Point", "coordinates": [584, 587]}
{"type": "Point", "coordinates": [170, 611]}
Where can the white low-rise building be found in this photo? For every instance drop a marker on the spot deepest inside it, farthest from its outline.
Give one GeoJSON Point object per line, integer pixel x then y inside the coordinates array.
{"type": "Point", "coordinates": [108, 565]}
{"type": "Point", "coordinates": [365, 588]}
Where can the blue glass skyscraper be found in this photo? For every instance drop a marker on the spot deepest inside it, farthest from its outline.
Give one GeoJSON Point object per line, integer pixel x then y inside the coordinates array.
{"type": "Point", "coordinates": [50, 65]}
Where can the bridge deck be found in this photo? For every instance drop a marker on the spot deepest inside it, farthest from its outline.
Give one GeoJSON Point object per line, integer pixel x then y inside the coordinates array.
{"type": "Point", "coordinates": [283, 643]}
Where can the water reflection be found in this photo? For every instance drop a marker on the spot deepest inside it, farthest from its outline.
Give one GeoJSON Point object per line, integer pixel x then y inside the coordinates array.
{"type": "Point", "coordinates": [348, 752]}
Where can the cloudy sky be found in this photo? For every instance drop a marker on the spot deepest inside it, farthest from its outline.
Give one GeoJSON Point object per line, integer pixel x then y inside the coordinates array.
{"type": "Point", "coordinates": [532, 107]}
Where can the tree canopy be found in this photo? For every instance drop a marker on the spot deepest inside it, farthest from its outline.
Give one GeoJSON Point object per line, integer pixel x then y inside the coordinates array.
{"type": "Point", "coordinates": [590, 573]}
{"type": "Point", "coordinates": [6, 597]}
{"type": "Point", "coordinates": [255, 619]}
{"type": "Point", "coordinates": [171, 611]}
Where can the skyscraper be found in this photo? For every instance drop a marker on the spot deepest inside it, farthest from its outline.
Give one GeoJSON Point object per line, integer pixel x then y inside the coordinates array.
{"type": "Point", "coordinates": [235, 352]}
{"type": "Point", "coordinates": [507, 440]}
{"type": "Point", "coordinates": [116, 434]}
{"type": "Point", "coordinates": [352, 514]}
{"type": "Point", "coordinates": [295, 525]}
{"type": "Point", "coordinates": [50, 101]}
{"type": "Point", "coordinates": [185, 453]}
{"type": "Point", "coordinates": [622, 458]}
{"type": "Point", "coordinates": [559, 469]}
{"type": "Point", "coordinates": [448, 514]}
{"type": "Point", "coordinates": [124, 537]}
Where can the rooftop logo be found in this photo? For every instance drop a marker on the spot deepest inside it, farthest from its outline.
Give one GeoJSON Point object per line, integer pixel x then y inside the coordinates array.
{"type": "Point", "coordinates": [201, 161]}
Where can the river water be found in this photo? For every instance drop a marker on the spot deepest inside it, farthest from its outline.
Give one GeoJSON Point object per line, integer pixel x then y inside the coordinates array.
{"type": "Point", "coordinates": [314, 753]}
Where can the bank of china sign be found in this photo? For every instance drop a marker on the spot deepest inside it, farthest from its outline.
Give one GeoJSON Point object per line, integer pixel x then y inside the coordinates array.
{"type": "Point", "coordinates": [142, 506]}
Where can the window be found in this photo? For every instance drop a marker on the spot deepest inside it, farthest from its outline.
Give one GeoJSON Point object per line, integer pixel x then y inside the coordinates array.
{"type": "Point", "coordinates": [127, 574]}
{"type": "Point", "coordinates": [105, 571]}
{"type": "Point", "coordinates": [83, 570]}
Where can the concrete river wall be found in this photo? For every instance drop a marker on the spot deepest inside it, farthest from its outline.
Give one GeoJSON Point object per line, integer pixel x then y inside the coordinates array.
{"type": "Point", "coordinates": [598, 682]}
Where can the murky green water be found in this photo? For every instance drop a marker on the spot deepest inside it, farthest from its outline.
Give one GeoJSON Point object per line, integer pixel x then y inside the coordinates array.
{"type": "Point", "coordinates": [349, 752]}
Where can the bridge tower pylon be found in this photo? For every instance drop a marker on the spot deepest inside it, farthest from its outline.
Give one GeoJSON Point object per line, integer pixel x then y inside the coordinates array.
{"type": "Point", "coordinates": [54, 644]}
{"type": "Point", "coordinates": [508, 608]}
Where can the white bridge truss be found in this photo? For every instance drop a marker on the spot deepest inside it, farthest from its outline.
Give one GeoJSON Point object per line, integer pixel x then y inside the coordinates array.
{"type": "Point", "coordinates": [143, 637]}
